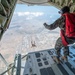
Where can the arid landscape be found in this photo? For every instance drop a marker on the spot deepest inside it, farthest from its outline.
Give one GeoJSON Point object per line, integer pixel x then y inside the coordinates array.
{"type": "Point", "coordinates": [14, 42]}
{"type": "Point", "coordinates": [18, 42]}
{"type": "Point", "coordinates": [26, 29]}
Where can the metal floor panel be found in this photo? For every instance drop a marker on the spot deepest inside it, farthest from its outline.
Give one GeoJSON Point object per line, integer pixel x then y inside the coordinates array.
{"type": "Point", "coordinates": [42, 63]}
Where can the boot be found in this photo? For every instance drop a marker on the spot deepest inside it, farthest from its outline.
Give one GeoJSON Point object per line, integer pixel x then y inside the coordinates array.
{"type": "Point", "coordinates": [64, 58]}
{"type": "Point", "coordinates": [56, 59]}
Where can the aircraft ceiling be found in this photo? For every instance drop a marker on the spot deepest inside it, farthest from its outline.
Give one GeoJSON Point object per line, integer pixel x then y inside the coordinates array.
{"type": "Point", "coordinates": [34, 2]}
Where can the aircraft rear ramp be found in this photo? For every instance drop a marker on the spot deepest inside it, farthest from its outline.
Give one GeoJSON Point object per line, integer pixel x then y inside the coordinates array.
{"type": "Point", "coordinates": [42, 63]}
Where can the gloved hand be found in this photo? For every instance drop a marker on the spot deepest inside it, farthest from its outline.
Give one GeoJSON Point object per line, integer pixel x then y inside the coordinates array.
{"type": "Point", "coordinates": [45, 24]}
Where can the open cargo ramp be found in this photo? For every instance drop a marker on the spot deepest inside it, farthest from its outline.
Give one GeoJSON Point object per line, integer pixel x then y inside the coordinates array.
{"type": "Point", "coordinates": [42, 63]}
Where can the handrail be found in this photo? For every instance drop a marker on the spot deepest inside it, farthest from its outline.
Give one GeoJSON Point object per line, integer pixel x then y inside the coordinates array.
{"type": "Point", "coordinates": [24, 56]}
{"type": "Point", "coordinates": [7, 70]}
{"type": "Point", "coordinates": [3, 59]}
{"type": "Point", "coordinates": [12, 66]}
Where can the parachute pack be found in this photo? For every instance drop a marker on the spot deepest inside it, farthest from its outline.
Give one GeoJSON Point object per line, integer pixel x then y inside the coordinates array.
{"type": "Point", "coordinates": [69, 28]}
{"type": "Point", "coordinates": [70, 24]}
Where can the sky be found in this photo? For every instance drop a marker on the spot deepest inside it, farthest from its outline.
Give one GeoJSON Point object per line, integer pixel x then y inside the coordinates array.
{"type": "Point", "coordinates": [32, 18]}
{"type": "Point", "coordinates": [23, 8]}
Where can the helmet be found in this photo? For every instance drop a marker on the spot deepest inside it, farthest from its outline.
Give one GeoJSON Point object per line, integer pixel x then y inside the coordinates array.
{"type": "Point", "coordinates": [64, 10]}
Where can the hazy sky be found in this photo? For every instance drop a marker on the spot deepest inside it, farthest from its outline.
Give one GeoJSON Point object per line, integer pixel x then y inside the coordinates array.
{"type": "Point", "coordinates": [23, 8]}
{"type": "Point", "coordinates": [27, 10]}
{"type": "Point", "coordinates": [31, 18]}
